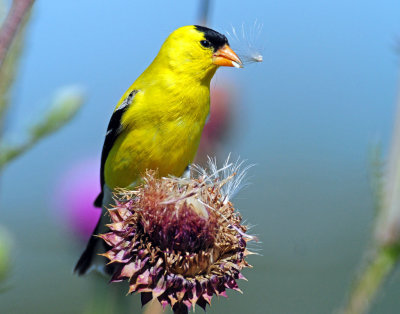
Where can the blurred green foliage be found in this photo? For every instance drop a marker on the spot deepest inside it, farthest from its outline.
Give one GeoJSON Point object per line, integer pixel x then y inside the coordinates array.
{"type": "Point", "coordinates": [65, 105]}
{"type": "Point", "coordinates": [63, 108]}
{"type": "Point", "coordinates": [5, 253]}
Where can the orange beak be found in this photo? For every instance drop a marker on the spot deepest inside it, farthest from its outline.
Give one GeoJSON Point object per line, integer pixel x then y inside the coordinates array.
{"type": "Point", "coordinates": [225, 56]}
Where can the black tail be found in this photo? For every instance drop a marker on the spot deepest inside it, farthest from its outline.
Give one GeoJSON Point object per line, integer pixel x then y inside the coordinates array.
{"type": "Point", "coordinates": [90, 257]}
{"type": "Point", "coordinates": [99, 200]}
{"type": "Point", "coordinates": [85, 261]}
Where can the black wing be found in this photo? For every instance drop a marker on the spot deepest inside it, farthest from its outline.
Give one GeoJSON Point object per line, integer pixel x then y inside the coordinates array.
{"type": "Point", "coordinates": [114, 129]}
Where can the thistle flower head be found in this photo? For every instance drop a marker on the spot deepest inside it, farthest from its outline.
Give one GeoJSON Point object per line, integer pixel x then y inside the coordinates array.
{"type": "Point", "coordinates": [178, 239]}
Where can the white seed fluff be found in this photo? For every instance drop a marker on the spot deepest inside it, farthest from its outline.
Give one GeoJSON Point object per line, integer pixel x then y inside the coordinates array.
{"type": "Point", "coordinates": [244, 41]}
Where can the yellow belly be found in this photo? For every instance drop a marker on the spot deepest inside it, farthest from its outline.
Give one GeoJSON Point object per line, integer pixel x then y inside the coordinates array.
{"type": "Point", "coordinates": [168, 148]}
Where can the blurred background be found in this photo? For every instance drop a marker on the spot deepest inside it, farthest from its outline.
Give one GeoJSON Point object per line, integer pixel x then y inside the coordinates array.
{"type": "Point", "coordinates": [309, 117]}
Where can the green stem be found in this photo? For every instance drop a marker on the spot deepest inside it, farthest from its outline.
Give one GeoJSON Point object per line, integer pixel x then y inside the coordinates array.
{"type": "Point", "coordinates": [63, 108]}
{"type": "Point", "coordinates": [11, 153]}
{"type": "Point", "coordinates": [371, 279]}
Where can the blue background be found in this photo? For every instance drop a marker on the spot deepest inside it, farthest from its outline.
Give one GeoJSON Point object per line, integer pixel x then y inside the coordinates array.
{"type": "Point", "coordinates": [309, 116]}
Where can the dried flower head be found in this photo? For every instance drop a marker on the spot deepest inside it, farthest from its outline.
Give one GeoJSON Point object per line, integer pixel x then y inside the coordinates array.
{"type": "Point", "coordinates": [178, 239]}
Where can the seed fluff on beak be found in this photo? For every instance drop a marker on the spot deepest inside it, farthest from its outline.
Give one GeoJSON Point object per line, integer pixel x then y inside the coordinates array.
{"type": "Point", "coordinates": [245, 40]}
{"type": "Point", "coordinates": [179, 240]}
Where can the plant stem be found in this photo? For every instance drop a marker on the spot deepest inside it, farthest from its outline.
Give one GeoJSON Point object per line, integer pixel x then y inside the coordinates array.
{"type": "Point", "coordinates": [19, 9]}
{"type": "Point", "coordinates": [387, 231]}
{"type": "Point", "coordinates": [204, 11]}
{"type": "Point", "coordinates": [12, 34]}
{"type": "Point", "coordinates": [371, 279]}
{"type": "Point", "coordinates": [64, 107]}
{"type": "Point", "coordinates": [153, 307]}
{"type": "Point", "coordinates": [386, 237]}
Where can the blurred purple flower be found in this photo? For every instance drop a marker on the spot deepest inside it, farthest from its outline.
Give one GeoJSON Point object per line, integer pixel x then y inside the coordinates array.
{"type": "Point", "coordinates": [74, 196]}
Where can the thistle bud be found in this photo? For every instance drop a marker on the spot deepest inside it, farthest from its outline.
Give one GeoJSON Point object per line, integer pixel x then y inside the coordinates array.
{"type": "Point", "coordinates": [178, 240]}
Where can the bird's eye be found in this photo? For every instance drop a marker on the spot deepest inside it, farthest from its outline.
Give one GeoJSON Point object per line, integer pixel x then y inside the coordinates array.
{"type": "Point", "coordinates": [205, 43]}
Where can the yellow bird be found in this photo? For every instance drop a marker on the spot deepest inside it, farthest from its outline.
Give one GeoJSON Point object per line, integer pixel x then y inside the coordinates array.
{"type": "Point", "coordinates": [157, 123]}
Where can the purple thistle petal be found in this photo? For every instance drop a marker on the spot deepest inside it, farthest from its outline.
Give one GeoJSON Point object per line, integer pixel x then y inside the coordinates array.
{"type": "Point", "coordinates": [143, 278]}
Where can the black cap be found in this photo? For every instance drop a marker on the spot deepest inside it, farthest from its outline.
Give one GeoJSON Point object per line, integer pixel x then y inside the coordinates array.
{"type": "Point", "coordinates": [216, 39]}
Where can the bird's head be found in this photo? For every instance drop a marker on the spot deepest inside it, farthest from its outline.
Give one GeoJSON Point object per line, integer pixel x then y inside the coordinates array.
{"type": "Point", "coordinates": [197, 51]}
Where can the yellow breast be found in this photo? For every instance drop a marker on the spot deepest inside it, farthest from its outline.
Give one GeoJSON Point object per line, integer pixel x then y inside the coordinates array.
{"type": "Point", "coordinates": [162, 132]}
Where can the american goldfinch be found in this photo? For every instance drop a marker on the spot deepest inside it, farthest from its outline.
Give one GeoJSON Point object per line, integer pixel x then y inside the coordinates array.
{"type": "Point", "coordinates": [157, 123]}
